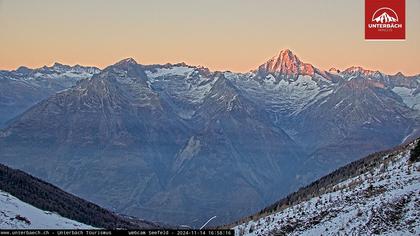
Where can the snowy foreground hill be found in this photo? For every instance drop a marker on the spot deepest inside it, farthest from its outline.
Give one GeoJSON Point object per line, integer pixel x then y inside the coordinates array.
{"type": "Point", "coordinates": [27, 202]}
{"type": "Point", "coordinates": [382, 198]}
{"type": "Point", "coordinates": [15, 214]}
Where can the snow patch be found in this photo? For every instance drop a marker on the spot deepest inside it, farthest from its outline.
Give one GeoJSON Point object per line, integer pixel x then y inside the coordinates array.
{"type": "Point", "coordinates": [175, 70]}
{"type": "Point", "coordinates": [15, 214]}
{"type": "Point", "coordinates": [411, 100]}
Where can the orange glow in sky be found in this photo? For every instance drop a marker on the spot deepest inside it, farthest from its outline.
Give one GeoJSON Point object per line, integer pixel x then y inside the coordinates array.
{"type": "Point", "coordinates": [235, 35]}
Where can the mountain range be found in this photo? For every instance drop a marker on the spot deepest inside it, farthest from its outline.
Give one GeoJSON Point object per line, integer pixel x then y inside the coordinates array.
{"type": "Point", "coordinates": [22, 88]}
{"type": "Point", "coordinates": [180, 144]}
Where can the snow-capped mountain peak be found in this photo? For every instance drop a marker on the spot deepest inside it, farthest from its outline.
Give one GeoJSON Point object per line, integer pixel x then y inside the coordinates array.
{"type": "Point", "coordinates": [127, 61]}
{"type": "Point", "coordinates": [400, 74]}
{"type": "Point", "coordinates": [288, 64]}
{"type": "Point", "coordinates": [287, 56]}
{"type": "Point", "coordinates": [357, 69]}
{"type": "Point", "coordinates": [360, 72]}
{"type": "Point", "coordinates": [23, 70]}
{"type": "Point", "coordinates": [57, 64]}
{"type": "Point", "coordinates": [334, 70]}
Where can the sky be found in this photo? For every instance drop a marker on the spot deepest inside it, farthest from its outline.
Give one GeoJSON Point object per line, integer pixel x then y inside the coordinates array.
{"type": "Point", "coordinates": [235, 35]}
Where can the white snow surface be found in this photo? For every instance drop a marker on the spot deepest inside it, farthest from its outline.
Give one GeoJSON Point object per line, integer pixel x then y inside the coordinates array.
{"type": "Point", "coordinates": [185, 85]}
{"type": "Point", "coordinates": [411, 100]}
{"type": "Point", "coordinates": [384, 201]}
{"type": "Point", "coordinates": [288, 97]}
{"type": "Point", "coordinates": [16, 214]}
{"type": "Point", "coordinates": [174, 70]}
{"type": "Point", "coordinates": [54, 76]}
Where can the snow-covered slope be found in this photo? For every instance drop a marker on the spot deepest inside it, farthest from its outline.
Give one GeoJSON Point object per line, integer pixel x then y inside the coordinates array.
{"type": "Point", "coordinates": [281, 97]}
{"type": "Point", "coordinates": [184, 87]}
{"type": "Point", "coordinates": [409, 96]}
{"type": "Point", "coordinates": [384, 200]}
{"type": "Point", "coordinates": [16, 214]}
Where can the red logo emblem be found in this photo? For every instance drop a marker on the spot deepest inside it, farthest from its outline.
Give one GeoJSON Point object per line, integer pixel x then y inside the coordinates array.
{"type": "Point", "coordinates": [384, 19]}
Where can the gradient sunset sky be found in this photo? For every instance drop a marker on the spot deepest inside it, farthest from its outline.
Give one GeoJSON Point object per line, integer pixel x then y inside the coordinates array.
{"type": "Point", "coordinates": [236, 35]}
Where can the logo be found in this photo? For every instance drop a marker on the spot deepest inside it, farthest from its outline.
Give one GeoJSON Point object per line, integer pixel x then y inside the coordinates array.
{"type": "Point", "coordinates": [384, 19]}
